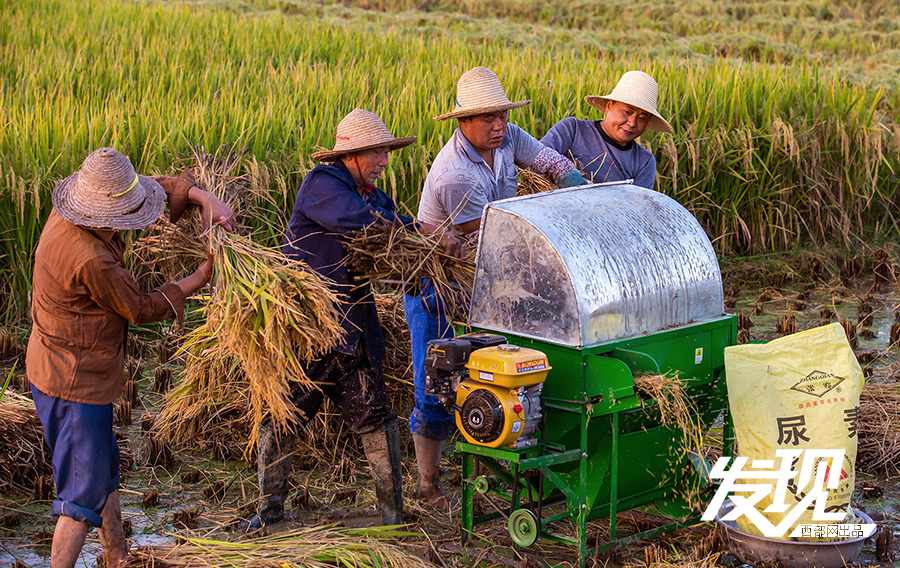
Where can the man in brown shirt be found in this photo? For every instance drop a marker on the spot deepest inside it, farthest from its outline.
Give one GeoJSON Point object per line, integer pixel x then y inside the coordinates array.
{"type": "Point", "coordinates": [82, 303]}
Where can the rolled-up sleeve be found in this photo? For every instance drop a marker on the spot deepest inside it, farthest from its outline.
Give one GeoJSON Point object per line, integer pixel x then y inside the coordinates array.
{"type": "Point", "coordinates": [177, 189]}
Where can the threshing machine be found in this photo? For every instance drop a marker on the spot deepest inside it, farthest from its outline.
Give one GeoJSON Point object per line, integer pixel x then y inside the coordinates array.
{"type": "Point", "coordinates": [576, 292]}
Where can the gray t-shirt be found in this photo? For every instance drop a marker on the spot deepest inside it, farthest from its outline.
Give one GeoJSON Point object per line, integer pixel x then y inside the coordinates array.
{"type": "Point", "coordinates": [599, 161]}
{"type": "Point", "coordinates": [460, 183]}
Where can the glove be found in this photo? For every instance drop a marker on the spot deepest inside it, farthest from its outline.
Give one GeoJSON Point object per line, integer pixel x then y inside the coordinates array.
{"type": "Point", "coordinates": [571, 178]}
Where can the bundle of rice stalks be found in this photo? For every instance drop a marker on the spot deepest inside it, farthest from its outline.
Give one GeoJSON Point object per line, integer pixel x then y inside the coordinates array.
{"type": "Point", "coordinates": [24, 457]}
{"type": "Point", "coordinates": [313, 547]}
{"type": "Point", "coordinates": [388, 253]}
{"type": "Point", "coordinates": [878, 431]}
{"type": "Point", "coordinates": [531, 182]}
{"type": "Point", "coordinates": [398, 362]}
{"type": "Point", "coordinates": [265, 311]}
{"type": "Point", "coordinates": [209, 409]}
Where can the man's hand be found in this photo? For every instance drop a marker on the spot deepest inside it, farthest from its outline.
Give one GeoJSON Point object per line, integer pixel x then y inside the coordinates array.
{"type": "Point", "coordinates": [220, 214]}
{"type": "Point", "coordinates": [571, 178]}
{"type": "Point", "coordinates": [453, 245]}
{"type": "Point", "coordinates": [204, 272]}
{"type": "Point", "coordinates": [214, 212]}
{"type": "Point", "coordinates": [199, 278]}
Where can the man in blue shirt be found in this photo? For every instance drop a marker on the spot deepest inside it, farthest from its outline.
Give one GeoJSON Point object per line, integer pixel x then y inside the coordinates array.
{"type": "Point", "coordinates": [336, 199]}
{"type": "Point", "coordinates": [607, 150]}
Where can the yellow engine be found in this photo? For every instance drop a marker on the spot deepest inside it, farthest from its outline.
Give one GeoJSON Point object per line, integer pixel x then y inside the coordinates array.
{"type": "Point", "coordinates": [500, 403]}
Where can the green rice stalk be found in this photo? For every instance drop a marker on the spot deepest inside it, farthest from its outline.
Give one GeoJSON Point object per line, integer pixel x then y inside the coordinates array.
{"type": "Point", "coordinates": [311, 547]}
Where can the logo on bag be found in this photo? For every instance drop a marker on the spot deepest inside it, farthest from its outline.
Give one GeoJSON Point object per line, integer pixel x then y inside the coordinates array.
{"type": "Point", "coordinates": [818, 384]}
{"type": "Point", "coordinates": [820, 472]}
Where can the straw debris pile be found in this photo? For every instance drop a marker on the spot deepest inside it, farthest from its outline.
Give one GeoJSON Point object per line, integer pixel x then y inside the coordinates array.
{"type": "Point", "coordinates": [388, 253]}
{"type": "Point", "coordinates": [311, 547]}
{"type": "Point", "coordinates": [266, 315]}
{"type": "Point", "coordinates": [24, 457]}
{"type": "Point", "coordinates": [879, 431]}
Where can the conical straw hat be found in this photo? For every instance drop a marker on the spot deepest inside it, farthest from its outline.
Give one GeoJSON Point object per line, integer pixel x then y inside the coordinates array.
{"type": "Point", "coordinates": [637, 89]}
{"type": "Point", "coordinates": [479, 92]}
{"type": "Point", "coordinates": [361, 130]}
{"type": "Point", "coordinates": [107, 194]}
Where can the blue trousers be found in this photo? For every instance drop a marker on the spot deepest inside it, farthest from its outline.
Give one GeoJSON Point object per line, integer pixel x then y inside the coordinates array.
{"type": "Point", "coordinates": [85, 455]}
{"type": "Point", "coordinates": [426, 322]}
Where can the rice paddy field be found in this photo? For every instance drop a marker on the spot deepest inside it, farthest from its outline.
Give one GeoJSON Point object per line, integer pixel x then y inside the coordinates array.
{"type": "Point", "coordinates": [786, 148]}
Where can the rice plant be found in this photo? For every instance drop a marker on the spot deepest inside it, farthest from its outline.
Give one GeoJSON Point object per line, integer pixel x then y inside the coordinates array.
{"type": "Point", "coordinates": [767, 151]}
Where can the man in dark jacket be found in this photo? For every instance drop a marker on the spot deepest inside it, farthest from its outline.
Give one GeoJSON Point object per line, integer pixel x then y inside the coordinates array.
{"type": "Point", "coordinates": [336, 199]}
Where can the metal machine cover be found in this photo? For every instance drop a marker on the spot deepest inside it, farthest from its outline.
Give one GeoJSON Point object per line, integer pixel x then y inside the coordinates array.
{"type": "Point", "coordinates": [582, 266]}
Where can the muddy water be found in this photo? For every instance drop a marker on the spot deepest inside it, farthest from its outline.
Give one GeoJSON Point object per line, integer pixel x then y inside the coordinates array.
{"type": "Point", "coordinates": [150, 526]}
{"type": "Point", "coordinates": [880, 361]}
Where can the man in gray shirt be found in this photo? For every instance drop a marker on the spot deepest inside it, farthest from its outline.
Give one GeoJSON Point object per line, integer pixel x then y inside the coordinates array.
{"type": "Point", "coordinates": [477, 166]}
{"type": "Point", "coordinates": [607, 150]}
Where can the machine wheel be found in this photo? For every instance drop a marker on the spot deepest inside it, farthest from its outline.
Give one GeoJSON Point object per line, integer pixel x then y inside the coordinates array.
{"type": "Point", "coordinates": [523, 527]}
{"type": "Point", "coordinates": [482, 484]}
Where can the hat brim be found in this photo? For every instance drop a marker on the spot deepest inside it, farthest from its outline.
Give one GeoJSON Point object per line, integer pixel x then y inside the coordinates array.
{"type": "Point", "coordinates": [394, 144]}
{"type": "Point", "coordinates": [657, 123]}
{"type": "Point", "coordinates": [152, 207]}
{"type": "Point", "coordinates": [461, 113]}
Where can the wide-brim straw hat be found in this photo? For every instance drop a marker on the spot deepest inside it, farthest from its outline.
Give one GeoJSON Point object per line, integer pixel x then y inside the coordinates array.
{"type": "Point", "coordinates": [478, 91]}
{"type": "Point", "coordinates": [106, 193]}
{"type": "Point", "coordinates": [637, 89]}
{"type": "Point", "coordinates": [361, 130]}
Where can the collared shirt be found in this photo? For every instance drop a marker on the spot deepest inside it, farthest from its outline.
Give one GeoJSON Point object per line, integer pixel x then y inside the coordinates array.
{"type": "Point", "coordinates": [328, 209]}
{"type": "Point", "coordinates": [82, 302]}
{"type": "Point", "coordinates": [460, 183]}
{"type": "Point", "coordinates": [599, 157]}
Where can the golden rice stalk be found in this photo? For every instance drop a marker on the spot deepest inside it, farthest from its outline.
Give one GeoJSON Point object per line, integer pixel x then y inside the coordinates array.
{"type": "Point", "coordinates": [675, 407]}
{"type": "Point", "coordinates": [397, 363]}
{"type": "Point", "coordinates": [311, 547]}
{"type": "Point", "coordinates": [209, 409]}
{"type": "Point", "coordinates": [674, 404]}
{"type": "Point", "coordinates": [532, 182]}
{"type": "Point", "coordinates": [267, 312]}
{"type": "Point", "coordinates": [388, 253]}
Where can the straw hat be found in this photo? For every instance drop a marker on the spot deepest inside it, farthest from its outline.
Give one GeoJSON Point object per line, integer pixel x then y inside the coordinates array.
{"type": "Point", "coordinates": [107, 194]}
{"type": "Point", "coordinates": [637, 89]}
{"type": "Point", "coordinates": [479, 92]}
{"type": "Point", "coordinates": [361, 130]}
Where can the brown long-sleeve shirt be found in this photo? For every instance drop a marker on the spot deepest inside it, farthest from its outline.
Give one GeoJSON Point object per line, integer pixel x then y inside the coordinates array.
{"type": "Point", "coordinates": [82, 302]}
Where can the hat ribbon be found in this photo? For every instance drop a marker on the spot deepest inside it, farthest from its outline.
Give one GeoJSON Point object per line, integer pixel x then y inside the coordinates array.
{"type": "Point", "coordinates": [130, 187]}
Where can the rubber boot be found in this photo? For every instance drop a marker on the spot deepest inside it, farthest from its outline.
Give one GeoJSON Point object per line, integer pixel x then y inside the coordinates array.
{"type": "Point", "coordinates": [274, 461]}
{"type": "Point", "coordinates": [428, 460]}
{"type": "Point", "coordinates": [382, 447]}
